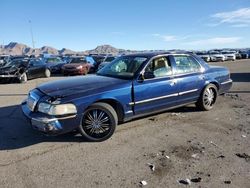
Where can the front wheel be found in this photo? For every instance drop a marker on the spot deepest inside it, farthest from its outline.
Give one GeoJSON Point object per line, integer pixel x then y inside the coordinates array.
{"type": "Point", "coordinates": [208, 97]}
{"type": "Point", "coordinates": [23, 78]}
{"type": "Point", "coordinates": [99, 122]}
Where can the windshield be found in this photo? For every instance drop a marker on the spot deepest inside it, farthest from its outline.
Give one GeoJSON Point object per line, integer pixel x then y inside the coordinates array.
{"type": "Point", "coordinates": [54, 60]}
{"type": "Point", "coordinates": [124, 67]}
{"type": "Point", "coordinates": [201, 53]}
{"type": "Point", "coordinates": [109, 59]}
{"type": "Point", "coordinates": [14, 63]}
{"type": "Point", "coordinates": [78, 60]}
{"type": "Point", "coordinates": [214, 53]}
{"type": "Point", "coordinates": [227, 52]}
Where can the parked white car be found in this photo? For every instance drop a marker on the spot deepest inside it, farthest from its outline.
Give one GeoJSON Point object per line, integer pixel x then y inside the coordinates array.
{"type": "Point", "coordinates": [204, 56]}
{"type": "Point", "coordinates": [216, 56]}
{"type": "Point", "coordinates": [229, 55]}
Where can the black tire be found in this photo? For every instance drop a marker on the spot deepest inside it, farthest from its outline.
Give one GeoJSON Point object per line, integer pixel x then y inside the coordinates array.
{"type": "Point", "coordinates": [99, 122]}
{"type": "Point", "coordinates": [23, 78]}
{"type": "Point", "coordinates": [208, 98]}
{"type": "Point", "coordinates": [47, 73]}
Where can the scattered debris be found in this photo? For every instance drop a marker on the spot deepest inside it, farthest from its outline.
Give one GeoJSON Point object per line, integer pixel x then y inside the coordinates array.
{"type": "Point", "coordinates": [196, 180]}
{"type": "Point", "coordinates": [195, 156]}
{"type": "Point", "coordinates": [151, 166]}
{"type": "Point", "coordinates": [143, 182]}
{"type": "Point", "coordinates": [162, 152]}
{"type": "Point", "coordinates": [233, 96]}
{"type": "Point", "coordinates": [227, 182]}
{"type": "Point", "coordinates": [211, 142]}
{"type": "Point", "coordinates": [152, 119]}
{"type": "Point", "coordinates": [221, 156]}
{"type": "Point", "coordinates": [243, 155]}
{"type": "Point", "coordinates": [177, 114]}
{"type": "Point", "coordinates": [185, 182]}
{"type": "Point", "coordinates": [244, 136]}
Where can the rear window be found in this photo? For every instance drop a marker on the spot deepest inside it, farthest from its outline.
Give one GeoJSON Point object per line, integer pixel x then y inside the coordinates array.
{"type": "Point", "coordinates": [186, 64]}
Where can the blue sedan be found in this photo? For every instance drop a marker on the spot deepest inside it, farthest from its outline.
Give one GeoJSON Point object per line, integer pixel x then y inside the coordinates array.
{"type": "Point", "coordinates": [131, 86]}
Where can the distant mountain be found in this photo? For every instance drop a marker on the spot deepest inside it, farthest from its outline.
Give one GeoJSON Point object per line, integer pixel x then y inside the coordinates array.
{"type": "Point", "coordinates": [15, 48]}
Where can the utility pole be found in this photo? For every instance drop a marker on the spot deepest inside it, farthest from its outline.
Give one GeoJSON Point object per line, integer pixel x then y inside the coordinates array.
{"type": "Point", "coordinates": [31, 32]}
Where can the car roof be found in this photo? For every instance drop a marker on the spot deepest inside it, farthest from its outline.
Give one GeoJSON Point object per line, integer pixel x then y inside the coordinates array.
{"type": "Point", "coordinates": [156, 53]}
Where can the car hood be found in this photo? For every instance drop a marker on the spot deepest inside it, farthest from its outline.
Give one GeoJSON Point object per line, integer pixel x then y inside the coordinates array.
{"type": "Point", "coordinates": [204, 55]}
{"type": "Point", "coordinates": [229, 54]}
{"type": "Point", "coordinates": [8, 69]}
{"type": "Point", "coordinates": [55, 64]}
{"type": "Point", "coordinates": [217, 55]}
{"type": "Point", "coordinates": [84, 85]}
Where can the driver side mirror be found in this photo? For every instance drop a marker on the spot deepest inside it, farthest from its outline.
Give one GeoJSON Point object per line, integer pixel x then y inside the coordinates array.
{"type": "Point", "coordinates": [146, 75]}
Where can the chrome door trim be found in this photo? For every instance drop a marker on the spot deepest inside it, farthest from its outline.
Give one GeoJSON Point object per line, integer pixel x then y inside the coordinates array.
{"type": "Point", "coordinates": [163, 97]}
{"type": "Point", "coordinates": [189, 91]}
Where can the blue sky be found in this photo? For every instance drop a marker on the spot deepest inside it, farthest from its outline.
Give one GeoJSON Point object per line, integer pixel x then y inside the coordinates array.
{"type": "Point", "coordinates": [140, 25]}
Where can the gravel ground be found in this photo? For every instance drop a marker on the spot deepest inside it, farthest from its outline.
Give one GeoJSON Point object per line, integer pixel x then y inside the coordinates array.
{"type": "Point", "coordinates": [210, 149]}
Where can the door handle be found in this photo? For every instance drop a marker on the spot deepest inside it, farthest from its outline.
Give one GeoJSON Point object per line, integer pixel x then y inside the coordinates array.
{"type": "Point", "coordinates": [173, 82]}
{"type": "Point", "coordinates": [202, 77]}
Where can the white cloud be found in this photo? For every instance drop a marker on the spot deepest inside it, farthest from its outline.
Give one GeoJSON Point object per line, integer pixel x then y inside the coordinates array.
{"type": "Point", "coordinates": [215, 41]}
{"type": "Point", "coordinates": [166, 38]}
{"type": "Point", "coordinates": [240, 17]}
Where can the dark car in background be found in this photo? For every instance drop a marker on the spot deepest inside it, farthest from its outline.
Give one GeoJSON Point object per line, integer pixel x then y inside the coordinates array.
{"type": "Point", "coordinates": [244, 54]}
{"type": "Point", "coordinates": [131, 86]}
{"type": "Point", "coordinates": [77, 66]}
{"type": "Point", "coordinates": [54, 64]}
{"type": "Point", "coordinates": [95, 61]}
{"type": "Point", "coordinates": [21, 70]}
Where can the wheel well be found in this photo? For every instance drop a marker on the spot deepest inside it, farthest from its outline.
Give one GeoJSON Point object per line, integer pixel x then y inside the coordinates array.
{"type": "Point", "coordinates": [117, 107]}
{"type": "Point", "coordinates": [216, 84]}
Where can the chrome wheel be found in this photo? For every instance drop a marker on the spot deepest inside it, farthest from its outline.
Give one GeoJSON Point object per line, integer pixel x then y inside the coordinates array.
{"type": "Point", "coordinates": [97, 122]}
{"type": "Point", "coordinates": [209, 97]}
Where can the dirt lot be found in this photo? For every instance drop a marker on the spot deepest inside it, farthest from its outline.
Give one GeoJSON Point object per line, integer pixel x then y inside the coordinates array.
{"type": "Point", "coordinates": [213, 147]}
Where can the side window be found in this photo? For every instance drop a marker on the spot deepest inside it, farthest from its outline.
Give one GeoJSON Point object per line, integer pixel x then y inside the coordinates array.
{"type": "Point", "coordinates": [37, 63]}
{"type": "Point", "coordinates": [186, 64]}
{"type": "Point", "coordinates": [160, 67]}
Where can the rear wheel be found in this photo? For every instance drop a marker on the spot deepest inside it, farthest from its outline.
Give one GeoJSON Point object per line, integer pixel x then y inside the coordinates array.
{"type": "Point", "coordinates": [208, 98]}
{"type": "Point", "coordinates": [47, 73]}
{"type": "Point", "coordinates": [99, 122]}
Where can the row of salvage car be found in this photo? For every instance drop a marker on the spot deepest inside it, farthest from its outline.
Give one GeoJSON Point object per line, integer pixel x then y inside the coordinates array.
{"type": "Point", "coordinates": [219, 55]}
{"type": "Point", "coordinates": [21, 69]}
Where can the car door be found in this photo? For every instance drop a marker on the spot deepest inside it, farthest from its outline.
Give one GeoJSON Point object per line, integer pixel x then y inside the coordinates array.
{"type": "Point", "coordinates": [36, 69]}
{"type": "Point", "coordinates": [189, 77]}
{"type": "Point", "coordinates": [157, 90]}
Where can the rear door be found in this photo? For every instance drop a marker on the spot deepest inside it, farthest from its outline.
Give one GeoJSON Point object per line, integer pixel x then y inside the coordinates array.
{"type": "Point", "coordinates": [189, 77]}
{"type": "Point", "coordinates": [157, 90]}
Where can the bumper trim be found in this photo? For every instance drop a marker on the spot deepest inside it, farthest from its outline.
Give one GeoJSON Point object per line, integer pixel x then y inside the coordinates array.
{"type": "Point", "coordinates": [8, 76]}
